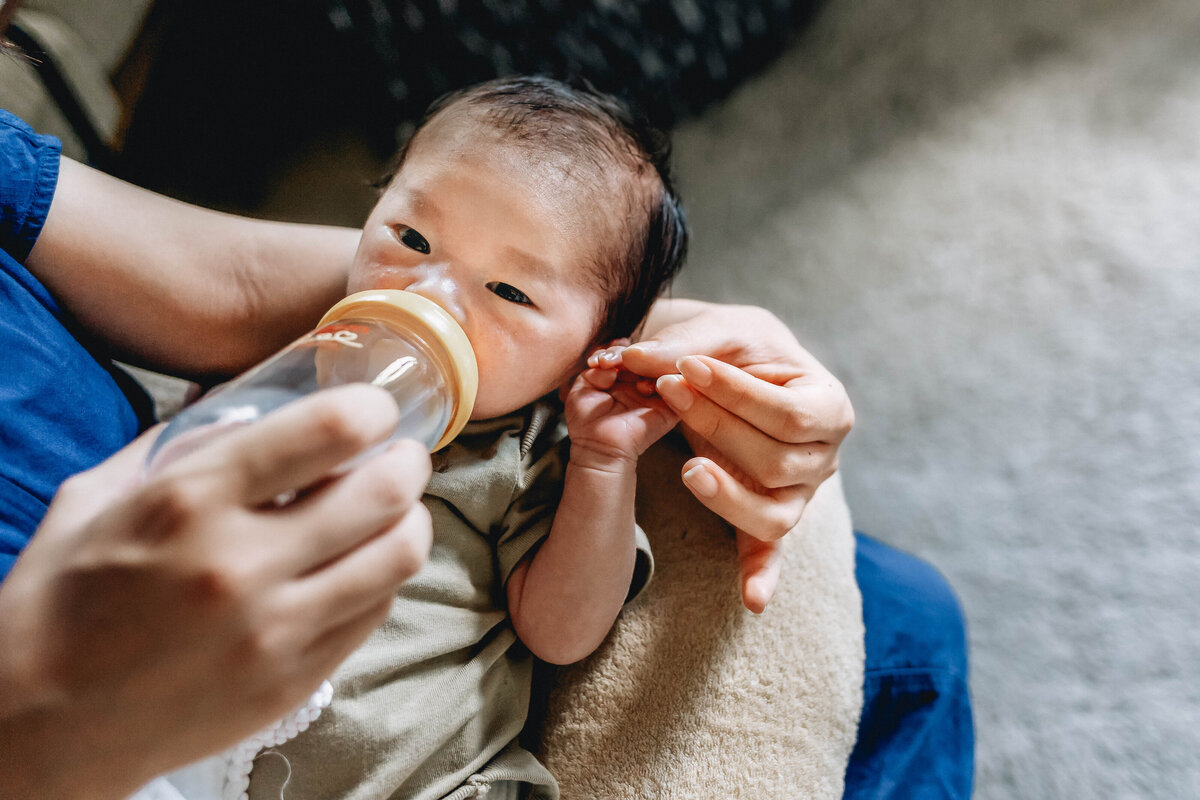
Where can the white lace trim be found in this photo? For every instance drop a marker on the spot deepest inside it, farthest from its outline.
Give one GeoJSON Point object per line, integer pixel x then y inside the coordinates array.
{"type": "Point", "coordinates": [239, 759]}
{"type": "Point", "coordinates": [226, 776]}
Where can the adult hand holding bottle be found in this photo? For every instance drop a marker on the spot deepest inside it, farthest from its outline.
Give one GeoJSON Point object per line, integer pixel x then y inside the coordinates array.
{"type": "Point", "coordinates": [149, 623]}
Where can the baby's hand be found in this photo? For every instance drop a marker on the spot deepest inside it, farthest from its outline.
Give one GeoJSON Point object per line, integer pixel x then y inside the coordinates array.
{"type": "Point", "coordinates": [611, 421]}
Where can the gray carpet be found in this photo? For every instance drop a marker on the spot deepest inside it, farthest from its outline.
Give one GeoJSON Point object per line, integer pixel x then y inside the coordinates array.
{"type": "Point", "coordinates": [985, 217]}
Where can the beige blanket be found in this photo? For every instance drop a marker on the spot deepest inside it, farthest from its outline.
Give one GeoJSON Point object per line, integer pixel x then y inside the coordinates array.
{"type": "Point", "coordinates": [692, 696]}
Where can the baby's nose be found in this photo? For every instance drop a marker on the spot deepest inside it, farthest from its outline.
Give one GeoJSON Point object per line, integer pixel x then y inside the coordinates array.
{"type": "Point", "coordinates": [434, 284]}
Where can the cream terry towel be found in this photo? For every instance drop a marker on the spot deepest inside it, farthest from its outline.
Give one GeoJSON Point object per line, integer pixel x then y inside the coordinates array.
{"type": "Point", "coordinates": [692, 696]}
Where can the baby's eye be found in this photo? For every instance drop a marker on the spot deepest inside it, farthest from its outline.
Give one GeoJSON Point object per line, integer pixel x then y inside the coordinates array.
{"type": "Point", "coordinates": [411, 239]}
{"type": "Point", "coordinates": [510, 293]}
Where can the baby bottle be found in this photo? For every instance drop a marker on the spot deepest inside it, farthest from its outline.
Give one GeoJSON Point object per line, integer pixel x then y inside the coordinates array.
{"type": "Point", "coordinates": [398, 340]}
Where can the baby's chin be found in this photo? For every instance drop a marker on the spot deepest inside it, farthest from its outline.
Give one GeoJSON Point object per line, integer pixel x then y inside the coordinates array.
{"type": "Point", "coordinates": [491, 410]}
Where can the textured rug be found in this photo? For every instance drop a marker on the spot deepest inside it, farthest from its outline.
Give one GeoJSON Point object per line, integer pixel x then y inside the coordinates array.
{"type": "Point", "coordinates": [985, 217]}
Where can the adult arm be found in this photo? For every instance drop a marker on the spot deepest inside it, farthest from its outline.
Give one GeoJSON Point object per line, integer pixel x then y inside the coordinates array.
{"type": "Point", "coordinates": [149, 624]}
{"type": "Point", "coordinates": [763, 416]}
{"type": "Point", "coordinates": [179, 288]}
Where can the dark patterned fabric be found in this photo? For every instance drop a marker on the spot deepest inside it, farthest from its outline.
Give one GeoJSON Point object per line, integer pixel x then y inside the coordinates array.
{"type": "Point", "coordinates": [670, 58]}
{"type": "Point", "coordinates": [238, 86]}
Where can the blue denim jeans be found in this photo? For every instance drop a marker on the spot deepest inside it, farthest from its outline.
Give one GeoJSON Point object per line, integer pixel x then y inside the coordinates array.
{"type": "Point", "coordinates": [916, 738]}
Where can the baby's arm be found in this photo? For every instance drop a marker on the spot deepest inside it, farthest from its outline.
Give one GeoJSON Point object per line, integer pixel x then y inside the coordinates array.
{"type": "Point", "coordinates": [564, 598]}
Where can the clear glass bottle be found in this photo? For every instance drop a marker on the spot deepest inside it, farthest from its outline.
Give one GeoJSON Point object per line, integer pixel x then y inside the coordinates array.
{"type": "Point", "coordinates": [398, 340]}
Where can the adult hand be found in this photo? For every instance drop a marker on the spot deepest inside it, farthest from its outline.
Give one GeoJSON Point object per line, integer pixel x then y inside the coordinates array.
{"type": "Point", "coordinates": [764, 418]}
{"type": "Point", "coordinates": [149, 624]}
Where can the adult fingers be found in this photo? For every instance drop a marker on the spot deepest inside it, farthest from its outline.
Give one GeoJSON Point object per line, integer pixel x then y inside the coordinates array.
{"type": "Point", "coordinates": [760, 565]}
{"type": "Point", "coordinates": [330, 649]}
{"type": "Point", "coordinates": [335, 518]}
{"type": "Point", "coordinates": [770, 462]}
{"type": "Point", "coordinates": [766, 516]}
{"type": "Point", "coordinates": [302, 442]}
{"type": "Point", "coordinates": [719, 331]}
{"type": "Point", "coordinates": [812, 408]}
{"type": "Point", "coordinates": [650, 359]}
{"type": "Point", "coordinates": [303, 663]}
{"type": "Point", "coordinates": [343, 589]}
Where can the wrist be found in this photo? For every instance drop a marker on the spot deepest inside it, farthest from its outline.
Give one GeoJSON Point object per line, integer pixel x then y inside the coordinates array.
{"type": "Point", "coordinates": [45, 757]}
{"type": "Point", "coordinates": [49, 737]}
{"type": "Point", "coordinates": [602, 459]}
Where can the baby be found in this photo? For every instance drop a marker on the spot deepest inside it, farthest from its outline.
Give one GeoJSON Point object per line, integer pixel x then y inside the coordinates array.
{"type": "Point", "coordinates": [544, 220]}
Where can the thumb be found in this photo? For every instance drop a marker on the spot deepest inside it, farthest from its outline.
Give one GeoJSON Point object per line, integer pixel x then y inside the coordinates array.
{"type": "Point", "coordinates": [656, 355]}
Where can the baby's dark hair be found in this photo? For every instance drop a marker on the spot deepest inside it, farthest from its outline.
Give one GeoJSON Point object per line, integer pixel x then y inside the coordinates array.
{"type": "Point", "coordinates": [585, 124]}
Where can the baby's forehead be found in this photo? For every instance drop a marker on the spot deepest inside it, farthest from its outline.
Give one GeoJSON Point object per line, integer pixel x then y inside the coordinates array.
{"type": "Point", "coordinates": [592, 168]}
{"type": "Point", "coordinates": [565, 175]}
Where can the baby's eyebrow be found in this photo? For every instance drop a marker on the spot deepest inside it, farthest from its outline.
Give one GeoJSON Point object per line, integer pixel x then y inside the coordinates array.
{"type": "Point", "coordinates": [421, 201]}
{"type": "Point", "coordinates": [530, 265]}
{"type": "Point", "coordinates": [528, 261]}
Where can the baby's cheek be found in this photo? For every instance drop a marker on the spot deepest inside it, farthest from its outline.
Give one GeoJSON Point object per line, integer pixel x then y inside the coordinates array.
{"type": "Point", "coordinates": [502, 384]}
{"type": "Point", "coordinates": [366, 272]}
{"type": "Point", "coordinates": [517, 367]}
{"type": "Point", "coordinates": [499, 395]}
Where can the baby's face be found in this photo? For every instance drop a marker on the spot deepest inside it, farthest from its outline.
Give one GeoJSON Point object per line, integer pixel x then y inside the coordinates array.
{"type": "Point", "coordinates": [499, 239]}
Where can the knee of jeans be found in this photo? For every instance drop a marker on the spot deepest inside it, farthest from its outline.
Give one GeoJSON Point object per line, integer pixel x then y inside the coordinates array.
{"type": "Point", "coordinates": [912, 615]}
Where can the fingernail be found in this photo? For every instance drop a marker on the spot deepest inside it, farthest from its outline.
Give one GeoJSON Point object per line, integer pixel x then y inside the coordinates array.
{"type": "Point", "coordinates": [645, 348]}
{"type": "Point", "coordinates": [673, 389]}
{"type": "Point", "coordinates": [755, 595]}
{"type": "Point", "coordinates": [701, 480]}
{"type": "Point", "coordinates": [695, 370]}
{"type": "Point", "coordinates": [609, 357]}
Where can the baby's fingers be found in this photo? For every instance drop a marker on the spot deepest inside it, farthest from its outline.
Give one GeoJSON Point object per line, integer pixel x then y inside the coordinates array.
{"type": "Point", "coordinates": [608, 357]}
{"type": "Point", "coordinates": [602, 379]}
{"type": "Point", "coordinates": [766, 515]}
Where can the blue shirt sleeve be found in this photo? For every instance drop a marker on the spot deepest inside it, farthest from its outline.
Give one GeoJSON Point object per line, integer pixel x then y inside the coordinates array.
{"type": "Point", "coordinates": [28, 175]}
{"type": "Point", "coordinates": [63, 408]}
